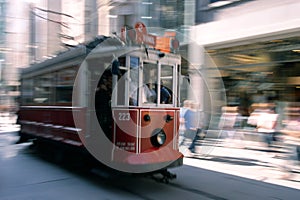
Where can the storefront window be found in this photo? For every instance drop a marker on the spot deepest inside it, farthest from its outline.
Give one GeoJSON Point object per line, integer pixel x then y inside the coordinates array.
{"type": "Point", "coordinates": [260, 73]}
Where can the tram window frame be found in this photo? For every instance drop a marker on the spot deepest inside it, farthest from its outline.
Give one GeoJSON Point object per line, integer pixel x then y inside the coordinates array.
{"type": "Point", "coordinates": [63, 86]}
{"type": "Point", "coordinates": [137, 65]}
{"type": "Point", "coordinates": [42, 89]}
{"type": "Point", "coordinates": [27, 91]}
{"type": "Point", "coordinates": [133, 80]}
{"type": "Point", "coordinates": [171, 89]}
{"type": "Point", "coordinates": [148, 84]}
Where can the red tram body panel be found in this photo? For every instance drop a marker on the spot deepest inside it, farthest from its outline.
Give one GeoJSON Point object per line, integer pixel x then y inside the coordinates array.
{"type": "Point", "coordinates": [50, 122]}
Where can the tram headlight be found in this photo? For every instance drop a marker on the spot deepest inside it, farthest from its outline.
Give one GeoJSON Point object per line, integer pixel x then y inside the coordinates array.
{"type": "Point", "coordinates": [158, 137]}
{"type": "Point", "coordinates": [168, 118]}
{"type": "Point", "coordinates": [147, 118]}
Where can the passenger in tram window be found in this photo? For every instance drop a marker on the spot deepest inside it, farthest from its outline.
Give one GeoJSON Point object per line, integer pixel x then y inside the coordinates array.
{"type": "Point", "coordinates": [102, 103]}
{"type": "Point", "coordinates": [149, 94]}
{"type": "Point", "coordinates": [165, 95]}
{"type": "Point", "coordinates": [153, 95]}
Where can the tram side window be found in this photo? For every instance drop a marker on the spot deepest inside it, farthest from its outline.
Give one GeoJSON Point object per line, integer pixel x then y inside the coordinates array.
{"type": "Point", "coordinates": [121, 81]}
{"type": "Point", "coordinates": [27, 91]}
{"type": "Point", "coordinates": [42, 89]}
{"type": "Point", "coordinates": [166, 87]}
{"type": "Point", "coordinates": [134, 81]}
{"type": "Point", "coordinates": [64, 85]}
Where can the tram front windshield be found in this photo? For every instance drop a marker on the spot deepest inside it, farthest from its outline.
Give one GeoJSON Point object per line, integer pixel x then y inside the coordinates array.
{"type": "Point", "coordinates": [153, 84]}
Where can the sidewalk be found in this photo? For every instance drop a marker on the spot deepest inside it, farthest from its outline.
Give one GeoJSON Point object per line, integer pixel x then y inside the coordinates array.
{"type": "Point", "coordinates": [249, 159]}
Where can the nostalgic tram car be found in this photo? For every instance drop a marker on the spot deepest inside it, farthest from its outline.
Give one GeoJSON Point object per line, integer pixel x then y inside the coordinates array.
{"type": "Point", "coordinates": [119, 102]}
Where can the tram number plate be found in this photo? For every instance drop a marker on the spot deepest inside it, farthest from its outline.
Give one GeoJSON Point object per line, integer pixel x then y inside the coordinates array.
{"type": "Point", "coordinates": [124, 116]}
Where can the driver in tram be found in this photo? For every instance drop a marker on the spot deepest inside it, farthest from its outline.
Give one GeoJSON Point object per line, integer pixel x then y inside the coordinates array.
{"type": "Point", "coordinates": [148, 94]}
{"type": "Point", "coordinates": [165, 97]}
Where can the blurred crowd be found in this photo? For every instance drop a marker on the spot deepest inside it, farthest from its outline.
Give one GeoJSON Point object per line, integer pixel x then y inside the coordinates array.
{"type": "Point", "coordinates": [277, 125]}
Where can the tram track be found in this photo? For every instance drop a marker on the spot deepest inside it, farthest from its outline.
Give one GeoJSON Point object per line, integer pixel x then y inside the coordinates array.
{"type": "Point", "coordinates": [149, 189]}
{"type": "Point", "coordinates": [199, 194]}
{"type": "Point", "coordinates": [197, 191]}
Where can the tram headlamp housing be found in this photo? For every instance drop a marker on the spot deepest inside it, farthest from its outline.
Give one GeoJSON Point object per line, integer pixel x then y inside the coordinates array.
{"type": "Point", "coordinates": [168, 118]}
{"type": "Point", "coordinates": [158, 137]}
{"type": "Point", "coordinates": [147, 118]}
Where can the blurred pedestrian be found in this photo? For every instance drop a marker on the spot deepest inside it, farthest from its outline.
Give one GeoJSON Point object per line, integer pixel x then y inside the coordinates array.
{"type": "Point", "coordinates": [266, 124]}
{"type": "Point", "coordinates": [195, 125]}
{"type": "Point", "coordinates": [182, 128]}
{"type": "Point", "coordinates": [184, 108]}
{"type": "Point", "coordinates": [186, 116]}
{"type": "Point", "coordinates": [191, 121]}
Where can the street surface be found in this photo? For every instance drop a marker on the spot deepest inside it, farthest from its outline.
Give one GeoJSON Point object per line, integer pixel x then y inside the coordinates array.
{"type": "Point", "coordinates": [235, 172]}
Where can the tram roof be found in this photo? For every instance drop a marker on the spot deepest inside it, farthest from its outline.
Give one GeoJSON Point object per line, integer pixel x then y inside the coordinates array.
{"type": "Point", "coordinates": [75, 56]}
{"type": "Point", "coordinates": [70, 57]}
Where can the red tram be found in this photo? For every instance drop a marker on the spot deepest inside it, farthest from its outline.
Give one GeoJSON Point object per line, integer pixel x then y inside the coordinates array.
{"type": "Point", "coordinates": [119, 102]}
